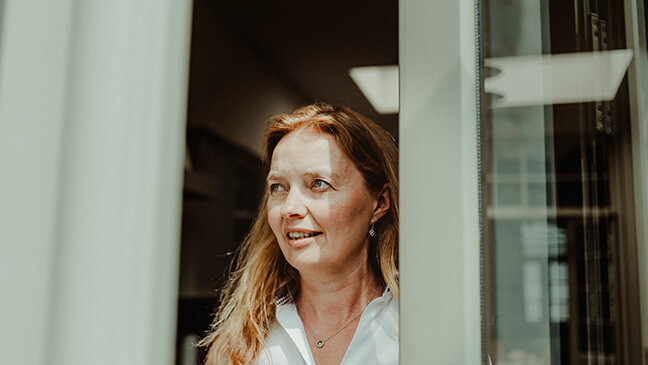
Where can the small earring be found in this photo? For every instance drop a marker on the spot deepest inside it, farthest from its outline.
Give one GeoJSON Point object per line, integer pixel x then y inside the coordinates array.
{"type": "Point", "coordinates": [372, 232]}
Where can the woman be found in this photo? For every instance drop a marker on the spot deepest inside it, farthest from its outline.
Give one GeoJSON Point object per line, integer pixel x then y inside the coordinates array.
{"type": "Point", "coordinates": [317, 277]}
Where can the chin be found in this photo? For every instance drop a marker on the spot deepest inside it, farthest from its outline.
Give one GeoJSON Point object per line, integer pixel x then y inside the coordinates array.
{"type": "Point", "coordinates": [304, 260]}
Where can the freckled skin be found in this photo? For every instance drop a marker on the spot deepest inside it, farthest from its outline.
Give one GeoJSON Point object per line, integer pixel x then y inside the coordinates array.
{"type": "Point", "coordinates": [339, 206]}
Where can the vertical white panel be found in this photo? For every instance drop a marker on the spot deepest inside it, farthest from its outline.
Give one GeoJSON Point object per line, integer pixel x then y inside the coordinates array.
{"type": "Point", "coordinates": [34, 59]}
{"type": "Point", "coordinates": [440, 288]}
{"type": "Point", "coordinates": [116, 268]}
{"type": "Point", "coordinates": [638, 86]}
{"type": "Point", "coordinates": [92, 107]}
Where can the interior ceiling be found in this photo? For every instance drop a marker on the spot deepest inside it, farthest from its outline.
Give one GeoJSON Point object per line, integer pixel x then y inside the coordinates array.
{"type": "Point", "coordinates": [313, 44]}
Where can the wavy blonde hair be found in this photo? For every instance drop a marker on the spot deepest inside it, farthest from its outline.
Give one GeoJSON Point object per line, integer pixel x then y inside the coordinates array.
{"type": "Point", "coordinates": [247, 307]}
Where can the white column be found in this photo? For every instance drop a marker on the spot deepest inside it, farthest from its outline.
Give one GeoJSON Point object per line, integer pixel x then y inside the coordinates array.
{"type": "Point", "coordinates": [34, 58]}
{"type": "Point", "coordinates": [92, 107]}
{"type": "Point", "coordinates": [439, 258]}
{"type": "Point", "coordinates": [638, 86]}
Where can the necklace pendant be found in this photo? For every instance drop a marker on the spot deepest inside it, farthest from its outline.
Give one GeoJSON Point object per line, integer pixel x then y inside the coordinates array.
{"type": "Point", "coordinates": [319, 344]}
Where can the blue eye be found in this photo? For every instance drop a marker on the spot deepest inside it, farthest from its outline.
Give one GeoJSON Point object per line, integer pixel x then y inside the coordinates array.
{"type": "Point", "coordinates": [320, 184]}
{"type": "Point", "coordinates": [276, 188]}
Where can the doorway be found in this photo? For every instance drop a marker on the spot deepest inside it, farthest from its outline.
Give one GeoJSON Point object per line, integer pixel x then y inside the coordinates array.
{"type": "Point", "coordinates": [251, 60]}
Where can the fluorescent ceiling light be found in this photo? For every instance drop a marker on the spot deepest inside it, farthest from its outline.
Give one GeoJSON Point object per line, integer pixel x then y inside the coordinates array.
{"type": "Point", "coordinates": [379, 84]}
{"type": "Point", "coordinates": [557, 79]}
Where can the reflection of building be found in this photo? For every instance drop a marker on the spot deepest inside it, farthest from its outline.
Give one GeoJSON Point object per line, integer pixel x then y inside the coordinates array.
{"type": "Point", "coordinates": [558, 181]}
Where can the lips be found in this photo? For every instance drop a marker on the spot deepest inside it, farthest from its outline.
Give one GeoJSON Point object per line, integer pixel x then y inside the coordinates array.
{"type": "Point", "coordinates": [298, 235]}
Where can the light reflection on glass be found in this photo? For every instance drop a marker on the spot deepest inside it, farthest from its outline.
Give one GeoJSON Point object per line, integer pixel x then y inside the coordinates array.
{"type": "Point", "coordinates": [552, 158]}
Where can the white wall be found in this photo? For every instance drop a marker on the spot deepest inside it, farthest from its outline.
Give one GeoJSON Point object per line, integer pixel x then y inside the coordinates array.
{"type": "Point", "coordinates": [92, 111]}
{"type": "Point", "coordinates": [439, 258]}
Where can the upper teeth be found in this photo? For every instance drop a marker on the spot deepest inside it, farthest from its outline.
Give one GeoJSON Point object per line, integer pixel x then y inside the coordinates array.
{"type": "Point", "coordinates": [298, 235]}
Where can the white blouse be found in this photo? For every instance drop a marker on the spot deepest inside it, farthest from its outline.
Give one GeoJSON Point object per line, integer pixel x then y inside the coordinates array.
{"type": "Point", "coordinates": [374, 342]}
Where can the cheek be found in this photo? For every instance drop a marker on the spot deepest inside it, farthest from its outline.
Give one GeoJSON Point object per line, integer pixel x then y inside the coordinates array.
{"type": "Point", "coordinates": [274, 218]}
{"type": "Point", "coordinates": [350, 214]}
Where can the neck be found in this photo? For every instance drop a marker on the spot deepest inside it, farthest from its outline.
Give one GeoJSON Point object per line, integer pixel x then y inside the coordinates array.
{"type": "Point", "coordinates": [339, 296]}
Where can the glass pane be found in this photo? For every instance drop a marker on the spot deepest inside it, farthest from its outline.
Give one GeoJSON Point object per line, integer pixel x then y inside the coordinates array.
{"type": "Point", "coordinates": [554, 131]}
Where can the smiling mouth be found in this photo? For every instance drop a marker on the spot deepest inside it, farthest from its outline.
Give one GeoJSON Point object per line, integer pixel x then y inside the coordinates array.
{"type": "Point", "coordinates": [300, 235]}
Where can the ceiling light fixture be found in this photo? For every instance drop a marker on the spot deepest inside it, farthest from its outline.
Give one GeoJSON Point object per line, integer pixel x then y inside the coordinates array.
{"type": "Point", "coordinates": [379, 84]}
{"type": "Point", "coordinates": [557, 79]}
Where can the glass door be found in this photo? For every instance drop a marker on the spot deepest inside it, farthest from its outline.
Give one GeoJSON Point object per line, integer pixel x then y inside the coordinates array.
{"type": "Point", "coordinates": [559, 274]}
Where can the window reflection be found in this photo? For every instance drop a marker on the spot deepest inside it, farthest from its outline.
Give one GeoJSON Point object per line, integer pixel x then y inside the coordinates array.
{"type": "Point", "coordinates": [556, 171]}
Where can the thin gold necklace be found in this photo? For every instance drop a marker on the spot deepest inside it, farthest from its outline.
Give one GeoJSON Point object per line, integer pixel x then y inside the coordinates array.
{"type": "Point", "coordinates": [320, 342]}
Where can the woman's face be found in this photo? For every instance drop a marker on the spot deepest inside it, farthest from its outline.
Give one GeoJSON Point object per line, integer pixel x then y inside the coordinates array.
{"type": "Point", "coordinates": [318, 207]}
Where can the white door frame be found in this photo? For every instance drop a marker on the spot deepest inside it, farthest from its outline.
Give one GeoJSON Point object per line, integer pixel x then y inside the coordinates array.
{"type": "Point", "coordinates": [439, 221]}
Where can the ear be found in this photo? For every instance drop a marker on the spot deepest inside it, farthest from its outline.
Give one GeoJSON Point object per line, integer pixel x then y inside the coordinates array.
{"type": "Point", "coordinates": [382, 204]}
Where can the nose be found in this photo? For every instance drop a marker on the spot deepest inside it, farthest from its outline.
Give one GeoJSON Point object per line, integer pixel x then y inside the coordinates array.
{"type": "Point", "coordinates": [294, 206]}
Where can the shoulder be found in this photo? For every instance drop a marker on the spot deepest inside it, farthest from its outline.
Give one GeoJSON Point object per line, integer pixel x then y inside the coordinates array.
{"type": "Point", "coordinates": [377, 337]}
{"type": "Point", "coordinates": [279, 348]}
{"type": "Point", "coordinates": [392, 314]}
{"type": "Point", "coordinates": [384, 314]}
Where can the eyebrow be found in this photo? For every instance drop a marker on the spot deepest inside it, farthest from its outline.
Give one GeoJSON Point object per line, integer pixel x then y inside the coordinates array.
{"type": "Point", "coordinates": [327, 173]}
{"type": "Point", "coordinates": [334, 176]}
{"type": "Point", "coordinates": [272, 176]}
